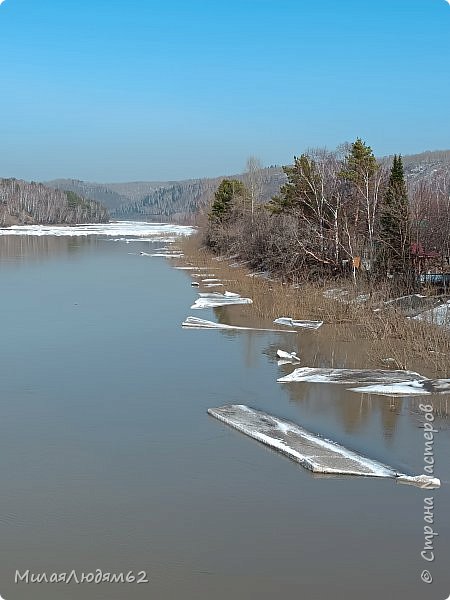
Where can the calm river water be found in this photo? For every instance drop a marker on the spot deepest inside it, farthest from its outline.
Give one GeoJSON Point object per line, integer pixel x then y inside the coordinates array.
{"type": "Point", "coordinates": [108, 459]}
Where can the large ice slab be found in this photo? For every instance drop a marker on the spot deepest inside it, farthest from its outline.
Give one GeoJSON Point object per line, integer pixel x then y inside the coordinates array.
{"type": "Point", "coordinates": [440, 316]}
{"type": "Point", "coordinates": [195, 323]}
{"type": "Point", "coordinates": [116, 229]}
{"type": "Point", "coordinates": [407, 388]}
{"type": "Point", "coordinates": [350, 376]}
{"type": "Point", "coordinates": [314, 452]}
{"type": "Point", "coordinates": [214, 299]}
{"type": "Point", "coordinates": [296, 323]}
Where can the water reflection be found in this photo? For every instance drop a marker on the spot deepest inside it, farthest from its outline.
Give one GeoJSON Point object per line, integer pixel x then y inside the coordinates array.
{"type": "Point", "coordinates": [325, 348]}
{"type": "Point", "coordinates": [21, 249]}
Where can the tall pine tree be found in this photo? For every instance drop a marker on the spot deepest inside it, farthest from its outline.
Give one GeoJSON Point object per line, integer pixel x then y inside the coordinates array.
{"type": "Point", "coordinates": [394, 223]}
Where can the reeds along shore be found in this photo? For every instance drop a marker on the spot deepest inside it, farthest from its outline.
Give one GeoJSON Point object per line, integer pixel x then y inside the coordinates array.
{"type": "Point", "coordinates": [386, 333]}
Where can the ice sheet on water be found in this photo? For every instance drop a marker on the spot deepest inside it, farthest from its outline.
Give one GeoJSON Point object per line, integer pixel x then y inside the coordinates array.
{"type": "Point", "coordinates": [312, 451]}
{"type": "Point", "coordinates": [407, 388]}
{"type": "Point", "coordinates": [186, 268]}
{"type": "Point", "coordinates": [436, 316]}
{"type": "Point", "coordinates": [218, 295]}
{"type": "Point", "coordinates": [344, 296]}
{"type": "Point", "coordinates": [350, 376]}
{"type": "Point", "coordinates": [287, 358]}
{"type": "Point", "coordinates": [289, 322]}
{"type": "Point", "coordinates": [219, 300]}
{"type": "Point", "coordinates": [118, 229]}
{"type": "Point", "coordinates": [196, 323]}
{"type": "Point", "coordinates": [165, 254]}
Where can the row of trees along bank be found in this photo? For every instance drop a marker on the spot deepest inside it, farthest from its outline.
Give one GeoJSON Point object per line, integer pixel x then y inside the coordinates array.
{"type": "Point", "coordinates": [340, 213]}
{"type": "Point", "coordinates": [24, 203]}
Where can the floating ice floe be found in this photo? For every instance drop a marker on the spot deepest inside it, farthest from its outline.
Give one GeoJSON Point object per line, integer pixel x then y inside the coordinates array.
{"type": "Point", "coordinates": [195, 323]}
{"type": "Point", "coordinates": [350, 376]}
{"type": "Point", "coordinates": [343, 295]}
{"type": "Point", "coordinates": [439, 316]}
{"type": "Point", "coordinates": [166, 254]}
{"type": "Point", "coordinates": [214, 300]}
{"type": "Point", "coordinates": [218, 295]}
{"type": "Point", "coordinates": [312, 451]}
{"type": "Point", "coordinates": [287, 358]}
{"type": "Point", "coordinates": [186, 268]}
{"type": "Point", "coordinates": [118, 229]}
{"type": "Point", "coordinates": [295, 323]}
{"type": "Point", "coordinates": [407, 388]}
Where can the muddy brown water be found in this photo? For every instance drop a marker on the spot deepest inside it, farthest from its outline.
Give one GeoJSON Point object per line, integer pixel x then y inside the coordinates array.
{"type": "Point", "coordinates": [109, 461]}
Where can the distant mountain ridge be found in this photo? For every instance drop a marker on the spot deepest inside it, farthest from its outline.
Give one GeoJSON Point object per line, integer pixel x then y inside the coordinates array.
{"type": "Point", "coordinates": [181, 201]}
{"type": "Point", "coordinates": [171, 200]}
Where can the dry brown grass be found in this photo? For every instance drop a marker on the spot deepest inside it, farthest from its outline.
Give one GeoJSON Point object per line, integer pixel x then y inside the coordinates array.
{"type": "Point", "coordinates": [410, 344]}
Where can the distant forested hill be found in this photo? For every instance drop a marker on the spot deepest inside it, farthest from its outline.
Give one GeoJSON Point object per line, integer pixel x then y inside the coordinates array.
{"type": "Point", "coordinates": [182, 200]}
{"type": "Point", "coordinates": [172, 200]}
{"type": "Point", "coordinates": [23, 203]}
{"type": "Point", "coordinates": [103, 193]}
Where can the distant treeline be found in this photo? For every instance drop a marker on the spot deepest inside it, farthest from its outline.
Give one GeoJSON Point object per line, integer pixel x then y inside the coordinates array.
{"type": "Point", "coordinates": [340, 212]}
{"type": "Point", "coordinates": [33, 203]}
{"type": "Point", "coordinates": [183, 201]}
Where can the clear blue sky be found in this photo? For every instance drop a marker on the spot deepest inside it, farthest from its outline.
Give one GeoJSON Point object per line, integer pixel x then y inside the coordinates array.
{"type": "Point", "coordinates": [152, 89]}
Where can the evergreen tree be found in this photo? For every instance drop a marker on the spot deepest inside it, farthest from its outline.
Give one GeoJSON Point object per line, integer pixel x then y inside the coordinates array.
{"type": "Point", "coordinates": [394, 222]}
{"type": "Point", "coordinates": [225, 197]}
{"type": "Point", "coordinates": [362, 179]}
{"type": "Point", "coordinates": [360, 164]}
{"type": "Point", "coordinates": [300, 193]}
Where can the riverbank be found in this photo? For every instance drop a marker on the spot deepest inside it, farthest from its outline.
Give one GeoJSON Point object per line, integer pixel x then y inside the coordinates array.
{"type": "Point", "coordinates": [380, 329]}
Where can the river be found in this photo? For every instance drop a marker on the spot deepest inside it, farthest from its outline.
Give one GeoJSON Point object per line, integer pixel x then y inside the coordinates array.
{"type": "Point", "coordinates": [109, 461]}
